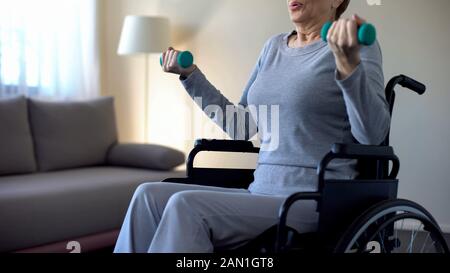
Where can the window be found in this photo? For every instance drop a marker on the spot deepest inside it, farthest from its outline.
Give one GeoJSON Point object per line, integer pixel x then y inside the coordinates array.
{"type": "Point", "coordinates": [49, 48]}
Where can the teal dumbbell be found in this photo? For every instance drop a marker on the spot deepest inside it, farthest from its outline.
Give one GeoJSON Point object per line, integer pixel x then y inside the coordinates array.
{"type": "Point", "coordinates": [367, 33]}
{"type": "Point", "coordinates": [185, 59]}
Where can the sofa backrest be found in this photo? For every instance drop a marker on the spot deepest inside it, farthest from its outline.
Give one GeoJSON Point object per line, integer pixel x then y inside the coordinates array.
{"type": "Point", "coordinates": [72, 134]}
{"type": "Point", "coordinates": [16, 144]}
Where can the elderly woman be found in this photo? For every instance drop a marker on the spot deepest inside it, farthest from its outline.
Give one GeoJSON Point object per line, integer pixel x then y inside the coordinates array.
{"type": "Point", "coordinates": [326, 93]}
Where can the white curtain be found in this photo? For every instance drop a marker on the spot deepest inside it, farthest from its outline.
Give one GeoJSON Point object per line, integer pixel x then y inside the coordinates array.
{"type": "Point", "coordinates": [49, 48]}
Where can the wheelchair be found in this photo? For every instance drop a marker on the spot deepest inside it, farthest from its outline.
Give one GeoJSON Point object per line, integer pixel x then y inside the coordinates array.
{"type": "Point", "coordinates": [355, 216]}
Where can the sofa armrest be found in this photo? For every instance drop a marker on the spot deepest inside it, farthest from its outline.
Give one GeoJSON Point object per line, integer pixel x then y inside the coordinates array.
{"type": "Point", "coordinates": [147, 156]}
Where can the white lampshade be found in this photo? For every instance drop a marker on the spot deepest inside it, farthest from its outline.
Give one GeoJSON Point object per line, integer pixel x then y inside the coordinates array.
{"type": "Point", "coordinates": [144, 34]}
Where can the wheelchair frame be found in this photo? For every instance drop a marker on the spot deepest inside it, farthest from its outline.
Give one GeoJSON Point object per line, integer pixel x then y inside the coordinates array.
{"type": "Point", "coordinates": [340, 202]}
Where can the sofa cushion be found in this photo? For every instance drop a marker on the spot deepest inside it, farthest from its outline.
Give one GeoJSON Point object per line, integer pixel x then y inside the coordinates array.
{"type": "Point", "coordinates": [44, 208]}
{"type": "Point", "coordinates": [16, 144]}
{"type": "Point", "coordinates": [72, 134]}
{"type": "Point", "coordinates": [147, 156]}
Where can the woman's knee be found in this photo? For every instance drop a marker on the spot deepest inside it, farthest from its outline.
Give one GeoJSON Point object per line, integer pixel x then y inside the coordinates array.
{"type": "Point", "coordinates": [182, 199]}
{"type": "Point", "coordinates": [149, 186]}
{"type": "Point", "coordinates": [149, 190]}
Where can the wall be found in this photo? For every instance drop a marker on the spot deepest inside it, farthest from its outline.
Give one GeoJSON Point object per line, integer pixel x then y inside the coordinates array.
{"type": "Point", "coordinates": [226, 37]}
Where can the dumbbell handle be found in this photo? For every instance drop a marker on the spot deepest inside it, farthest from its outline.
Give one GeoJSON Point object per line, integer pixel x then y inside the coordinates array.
{"type": "Point", "coordinates": [367, 33]}
{"type": "Point", "coordinates": [185, 59]}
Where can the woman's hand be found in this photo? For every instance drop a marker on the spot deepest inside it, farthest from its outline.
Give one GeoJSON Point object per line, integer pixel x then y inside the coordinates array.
{"type": "Point", "coordinates": [343, 40]}
{"type": "Point", "coordinates": [170, 64]}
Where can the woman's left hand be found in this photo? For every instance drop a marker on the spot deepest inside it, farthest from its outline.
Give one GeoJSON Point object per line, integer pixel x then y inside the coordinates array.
{"type": "Point", "coordinates": [343, 40]}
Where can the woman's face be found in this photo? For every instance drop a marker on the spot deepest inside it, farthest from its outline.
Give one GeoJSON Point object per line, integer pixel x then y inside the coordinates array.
{"type": "Point", "coordinates": [302, 11]}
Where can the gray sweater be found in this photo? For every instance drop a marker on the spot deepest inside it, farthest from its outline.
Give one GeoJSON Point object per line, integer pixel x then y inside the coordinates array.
{"type": "Point", "coordinates": [307, 110]}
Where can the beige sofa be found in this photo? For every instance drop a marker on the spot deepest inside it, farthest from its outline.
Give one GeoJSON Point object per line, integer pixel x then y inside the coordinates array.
{"type": "Point", "coordinates": [64, 177]}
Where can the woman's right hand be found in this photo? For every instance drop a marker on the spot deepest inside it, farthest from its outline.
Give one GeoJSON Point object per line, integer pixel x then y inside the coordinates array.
{"type": "Point", "coordinates": [170, 64]}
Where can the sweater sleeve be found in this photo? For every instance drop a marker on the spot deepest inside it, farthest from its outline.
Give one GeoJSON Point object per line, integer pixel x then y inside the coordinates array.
{"type": "Point", "coordinates": [364, 97]}
{"type": "Point", "coordinates": [236, 120]}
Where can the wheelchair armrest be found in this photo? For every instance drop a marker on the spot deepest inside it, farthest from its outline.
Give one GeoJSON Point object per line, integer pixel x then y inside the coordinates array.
{"type": "Point", "coordinates": [216, 145]}
{"type": "Point", "coordinates": [362, 151]}
{"type": "Point", "coordinates": [222, 145]}
{"type": "Point", "coordinates": [358, 151]}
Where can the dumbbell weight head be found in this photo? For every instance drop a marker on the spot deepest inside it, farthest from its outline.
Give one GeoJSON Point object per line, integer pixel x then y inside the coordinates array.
{"type": "Point", "coordinates": [325, 29]}
{"type": "Point", "coordinates": [367, 33]}
{"type": "Point", "coordinates": [185, 59]}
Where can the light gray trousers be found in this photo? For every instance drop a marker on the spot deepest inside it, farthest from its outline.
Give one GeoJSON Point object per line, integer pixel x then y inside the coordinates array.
{"type": "Point", "coordinates": [181, 218]}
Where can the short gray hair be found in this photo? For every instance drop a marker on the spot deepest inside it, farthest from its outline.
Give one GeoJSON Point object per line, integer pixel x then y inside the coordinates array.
{"type": "Point", "coordinates": [342, 8]}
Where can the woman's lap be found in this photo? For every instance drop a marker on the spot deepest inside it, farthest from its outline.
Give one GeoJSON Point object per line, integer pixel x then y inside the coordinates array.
{"type": "Point", "coordinates": [232, 215]}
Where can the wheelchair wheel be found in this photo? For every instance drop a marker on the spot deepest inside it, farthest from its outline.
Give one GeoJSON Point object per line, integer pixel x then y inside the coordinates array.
{"type": "Point", "coordinates": [394, 226]}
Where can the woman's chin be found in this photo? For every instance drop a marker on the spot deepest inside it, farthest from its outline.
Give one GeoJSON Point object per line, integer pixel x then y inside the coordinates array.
{"type": "Point", "coordinates": [297, 19]}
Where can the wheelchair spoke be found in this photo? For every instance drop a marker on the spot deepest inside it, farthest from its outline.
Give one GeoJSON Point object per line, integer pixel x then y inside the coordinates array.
{"type": "Point", "coordinates": [413, 238]}
{"type": "Point", "coordinates": [418, 231]}
{"type": "Point", "coordinates": [381, 237]}
{"type": "Point", "coordinates": [398, 226]}
{"type": "Point", "coordinates": [434, 242]}
{"type": "Point", "coordinates": [388, 231]}
{"type": "Point", "coordinates": [401, 227]}
{"type": "Point", "coordinates": [411, 242]}
{"type": "Point", "coordinates": [397, 240]}
{"type": "Point", "coordinates": [384, 240]}
{"type": "Point", "coordinates": [425, 242]}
